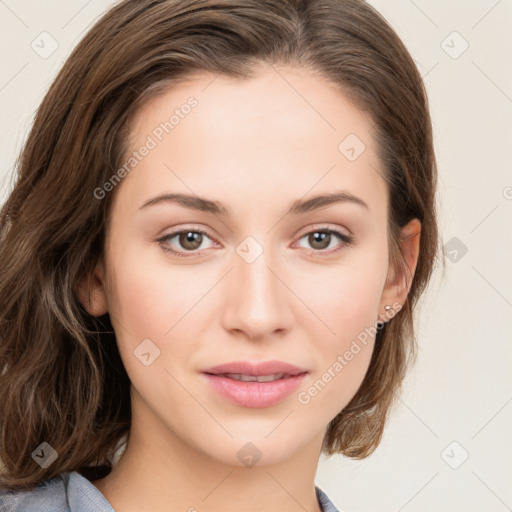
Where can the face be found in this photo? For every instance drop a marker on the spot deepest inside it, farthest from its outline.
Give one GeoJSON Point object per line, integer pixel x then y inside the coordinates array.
{"type": "Point", "coordinates": [254, 276]}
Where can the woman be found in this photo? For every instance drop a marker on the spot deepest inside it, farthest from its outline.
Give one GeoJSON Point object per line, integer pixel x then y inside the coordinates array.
{"type": "Point", "coordinates": [211, 257]}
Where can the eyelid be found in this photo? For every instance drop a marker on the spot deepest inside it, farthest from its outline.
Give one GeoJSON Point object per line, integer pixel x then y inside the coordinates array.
{"type": "Point", "coordinates": [325, 227]}
{"type": "Point", "coordinates": [188, 227]}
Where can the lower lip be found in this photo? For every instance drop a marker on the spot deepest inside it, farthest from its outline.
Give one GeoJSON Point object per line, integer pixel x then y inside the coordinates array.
{"type": "Point", "coordinates": [254, 394]}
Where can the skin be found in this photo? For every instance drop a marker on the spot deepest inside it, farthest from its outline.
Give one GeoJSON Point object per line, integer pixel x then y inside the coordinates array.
{"type": "Point", "coordinates": [255, 145]}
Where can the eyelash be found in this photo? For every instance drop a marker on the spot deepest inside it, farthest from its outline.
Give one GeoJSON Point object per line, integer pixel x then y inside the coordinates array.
{"type": "Point", "coordinates": [345, 239]}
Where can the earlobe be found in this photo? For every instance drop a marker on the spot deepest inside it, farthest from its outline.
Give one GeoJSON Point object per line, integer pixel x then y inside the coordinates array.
{"type": "Point", "coordinates": [91, 291]}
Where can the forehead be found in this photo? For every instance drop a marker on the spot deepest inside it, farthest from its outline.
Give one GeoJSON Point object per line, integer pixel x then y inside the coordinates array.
{"type": "Point", "coordinates": [274, 99]}
{"type": "Point", "coordinates": [284, 130]}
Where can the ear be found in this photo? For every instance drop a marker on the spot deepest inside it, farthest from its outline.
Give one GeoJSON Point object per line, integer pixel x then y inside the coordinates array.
{"type": "Point", "coordinates": [91, 291]}
{"type": "Point", "coordinates": [399, 280]}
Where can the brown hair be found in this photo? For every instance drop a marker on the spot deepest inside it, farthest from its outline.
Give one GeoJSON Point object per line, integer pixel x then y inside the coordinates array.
{"type": "Point", "coordinates": [62, 380]}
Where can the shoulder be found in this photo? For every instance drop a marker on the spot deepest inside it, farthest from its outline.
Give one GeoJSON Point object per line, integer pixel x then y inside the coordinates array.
{"type": "Point", "coordinates": [48, 496]}
{"type": "Point", "coordinates": [326, 504]}
{"type": "Point", "coordinates": [71, 492]}
{"type": "Point", "coordinates": [67, 492]}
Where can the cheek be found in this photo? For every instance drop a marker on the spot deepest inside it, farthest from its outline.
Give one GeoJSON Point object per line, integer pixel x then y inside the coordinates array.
{"type": "Point", "coordinates": [348, 308]}
{"type": "Point", "coordinates": [150, 295]}
{"type": "Point", "coordinates": [342, 358]}
{"type": "Point", "coordinates": [344, 301]}
{"type": "Point", "coordinates": [154, 301]}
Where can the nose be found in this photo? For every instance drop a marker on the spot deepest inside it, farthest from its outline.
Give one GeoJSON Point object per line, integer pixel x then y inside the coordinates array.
{"type": "Point", "coordinates": [258, 301]}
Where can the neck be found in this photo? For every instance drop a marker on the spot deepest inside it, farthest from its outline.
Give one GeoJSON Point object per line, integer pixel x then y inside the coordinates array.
{"type": "Point", "coordinates": [160, 472]}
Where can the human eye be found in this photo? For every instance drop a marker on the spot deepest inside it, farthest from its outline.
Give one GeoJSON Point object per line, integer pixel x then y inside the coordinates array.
{"type": "Point", "coordinates": [320, 239]}
{"type": "Point", "coordinates": [190, 238]}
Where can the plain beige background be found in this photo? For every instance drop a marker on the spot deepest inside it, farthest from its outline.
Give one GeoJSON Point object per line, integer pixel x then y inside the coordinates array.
{"type": "Point", "coordinates": [446, 447]}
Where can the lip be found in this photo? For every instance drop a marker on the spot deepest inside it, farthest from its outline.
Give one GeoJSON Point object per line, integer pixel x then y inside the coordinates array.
{"type": "Point", "coordinates": [261, 368]}
{"type": "Point", "coordinates": [255, 394]}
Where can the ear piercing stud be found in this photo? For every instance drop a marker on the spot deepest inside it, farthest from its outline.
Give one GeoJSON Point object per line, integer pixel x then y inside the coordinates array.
{"type": "Point", "coordinates": [380, 324]}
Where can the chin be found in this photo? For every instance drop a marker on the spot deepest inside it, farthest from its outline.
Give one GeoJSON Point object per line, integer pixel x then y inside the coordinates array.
{"type": "Point", "coordinates": [255, 450]}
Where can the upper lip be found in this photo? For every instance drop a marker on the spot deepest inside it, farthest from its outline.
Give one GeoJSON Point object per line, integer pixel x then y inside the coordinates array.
{"type": "Point", "coordinates": [261, 368]}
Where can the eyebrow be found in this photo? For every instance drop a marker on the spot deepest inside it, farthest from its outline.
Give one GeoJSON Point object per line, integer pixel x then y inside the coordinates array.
{"type": "Point", "coordinates": [298, 207]}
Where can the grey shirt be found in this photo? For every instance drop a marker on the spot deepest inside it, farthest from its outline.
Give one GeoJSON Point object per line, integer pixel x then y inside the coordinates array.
{"type": "Point", "coordinates": [72, 492]}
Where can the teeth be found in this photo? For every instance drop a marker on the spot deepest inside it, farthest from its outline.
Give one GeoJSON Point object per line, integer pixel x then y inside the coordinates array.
{"type": "Point", "coordinates": [254, 378]}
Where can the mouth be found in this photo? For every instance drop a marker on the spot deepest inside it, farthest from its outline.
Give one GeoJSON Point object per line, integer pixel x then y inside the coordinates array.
{"type": "Point", "coordinates": [255, 378]}
{"type": "Point", "coordinates": [254, 391]}
{"type": "Point", "coordinates": [256, 369]}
